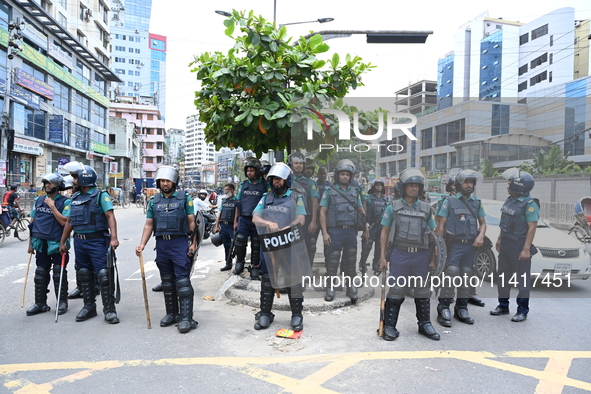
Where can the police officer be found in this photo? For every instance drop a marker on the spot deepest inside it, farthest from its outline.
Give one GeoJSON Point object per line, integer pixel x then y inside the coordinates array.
{"type": "Point", "coordinates": [321, 181]}
{"type": "Point", "coordinates": [338, 215]}
{"type": "Point", "coordinates": [276, 211]}
{"type": "Point", "coordinates": [519, 220]}
{"type": "Point", "coordinates": [460, 217]}
{"type": "Point", "coordinates": [47, 225]}
{"type": "Point", "coordinates": [171, 218]}
{"type": "Point", "coordinates": [310, 168]}
{"type": "Point", "coordinates": [265, 168]}
{"type": "Point", "coordinates": [306, 187]}
{"type": "Point", "coordinates": [376, 205]}
{"type": "Point", "coordinates": [249, 194]}
{"type": "Point", "coordinates": [225, 222]}
{"type": "Point", "coordinates": [91, 218]}
{"type": "Point", "coordinates": [405, 245]}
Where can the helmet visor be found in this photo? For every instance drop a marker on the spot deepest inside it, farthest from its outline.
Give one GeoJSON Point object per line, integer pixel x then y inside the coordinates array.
{"type": "Point", "coordinates": [512, 173]}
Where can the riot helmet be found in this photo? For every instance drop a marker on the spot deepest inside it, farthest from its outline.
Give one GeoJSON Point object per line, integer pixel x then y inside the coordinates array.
{"type": "Point", "coordinates": [466, 175]}
{"type": "Point", "coordinates": [216, 239]}
{"type": "Point", "coordinates": [168, 173]}
{"type": "Point", "coordinates": [410, 176]}
{"type": "Point", "coordinates": [254, 163]}
{"type": "Point", "coordinates": [54, 179]}
{"type": "Point", "coordinates": [282, 171]}
{"type": "Point", "coordinates": [310, 167]}
{"type": "Point", "coordinates": [87, 177]}
{"type": "Point", "coordinates": [450, 186]}
{"type": "Point", "coordinates": [202, 194]}
{"type": "Point", "coordinates": [297, 157]}
{"type": "Point", "coordinates": [73, 167]}
{"type": "Point", "coordinates": [68, 183]}
{"type": "Point", "coordinates": [520, 182]}
{"type": "Point", "coordinates": [266, 166]}
{"type": "Point", "coordinates": [373, 184]}
{"type": "Point", "coordinates": [345, 165]}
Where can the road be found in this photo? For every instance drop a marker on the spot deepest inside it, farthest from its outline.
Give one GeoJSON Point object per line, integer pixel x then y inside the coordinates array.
{"type": "Point", "coordinates": [339, 350]}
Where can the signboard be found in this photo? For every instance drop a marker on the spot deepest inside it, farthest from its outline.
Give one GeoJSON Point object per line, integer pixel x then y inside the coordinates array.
{"type": "Point", "coordinates": [89, 156]}
{"type": "Point", "coordinates": [434, 180]}
{"type": "Point", "coordinates": [98, 147]}
{"type": "Point", "coordinates": [21, 95]}
{"type": "Point", "coordinates": [113, 167]}
{"type": "Point", "coordinates": [25, 79]}
{"type": "Point", "coordinates": [116, 175]}
{"type": "Point", "coordinates": [61, 162]}
{"type": "Point", "coordinates": [35, 35]}
{"type": "Point", "coordinates": [29, 147]}
{"type": "Point", "coordinates": [60, 55]}
{"type": "Point", "coordinates": [106, 159]}
{"type": "Point", "coordinates": [2, 173]}
{"type": "Point", "coordinates": [56, 128]}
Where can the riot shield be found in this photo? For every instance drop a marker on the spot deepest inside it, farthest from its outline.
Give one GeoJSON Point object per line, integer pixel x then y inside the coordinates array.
{"type": "Point", "coordinates": [283, 245]}
{"type": "Point", "coordinates": [198, 232]}
{"type": "Point", "coordinates": [441, 256]}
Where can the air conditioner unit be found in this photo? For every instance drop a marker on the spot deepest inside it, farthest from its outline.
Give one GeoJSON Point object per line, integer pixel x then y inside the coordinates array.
{"type": "Point", "coordinates": [577, 23]}
{"type": "Point", "coordinates": [87, 14]}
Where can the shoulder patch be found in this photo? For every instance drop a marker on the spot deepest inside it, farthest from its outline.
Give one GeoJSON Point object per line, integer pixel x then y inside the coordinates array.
{"type": "Point", "coordinates": [107, 198]}
{"type": "Point", "coordinates": [314, 187]}
{"type": "Point", "coordinates": [531, 209]}
{"type": "Point", "coordinates": [300, 203]}
{"type": "Point", "coordinates": [191, 203]}
{"type": "Point", "coordinates": [385, 215]}
{"type": "Point", "coordinates": [66, 207]}
{"type": "Point", "coordinates": [362, 192]}
{"type": "Point", "coordinates": [444, 204]}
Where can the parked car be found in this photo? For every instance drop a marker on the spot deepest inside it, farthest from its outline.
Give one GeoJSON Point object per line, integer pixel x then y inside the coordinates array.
{"type": "Point", "coordinates": [558, 252]}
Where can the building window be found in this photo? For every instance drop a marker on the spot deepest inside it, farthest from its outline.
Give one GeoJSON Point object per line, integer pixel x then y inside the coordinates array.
{"type": "Point", "coordinates": [426, 163]}
{"type": "Point", "coordinates": [550, 76]}
{"type": "Point", "coordinates": [100, 114]}
{"type": "Point", "coordinates": [138, 116]}
{"type": "Point", "coordinates": [150, 116]}
{"type": "Point", "coordinates": [62, 96]}
{"type": "Point", "coordinates": [551, 40]}
{"type": "Point", "coordinates": [538, 78]}
{"type": "Point", "coordinates": [551, 58]}
{"type": "Point", "coordinates": [522, 86]}
{"type": "Point", "coordinates": [427, 138]}
{"type": "Point", "coordinates": [539, 60]}
{"type": "Point", "coordinates": [523, 69]}
{"type": "Point", "coordinates": [500, 119]}
{"type": "Point", "coordinates": [539, 32]}
{"type": "Point", "coordinates": [523, 38]}
{"type": "Point", "coordinates": [82, 107]}
{"type": "Point", "coordinates": [99, 84]}
{"type": "Point", "coordinates": [82, 137]}
{"type": "Point", "coordinates": [35, 123]}
{"type": "Point", "coordinates": [449, 133]}
{"type": "Point", "coordinates": [67, 131]}
{"type": "Point", "coordinates": [440, 163]}
{"type": "Point", "coordinates": [62, 20]}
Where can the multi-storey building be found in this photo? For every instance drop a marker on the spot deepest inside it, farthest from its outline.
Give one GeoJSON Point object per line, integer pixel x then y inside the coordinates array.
{"type": "Point", "coordinates": [57, 108]}
{"type": "Point", "coordinates": [139, 57]}
{"type": "Point", "coordinates": [150, 127]}
{"type": "Point", "coordinates": [175, 146]}
{"type": "Point", "coordinates": [197, 151]}
{"type": "Point", "coordinates": [124, 146]}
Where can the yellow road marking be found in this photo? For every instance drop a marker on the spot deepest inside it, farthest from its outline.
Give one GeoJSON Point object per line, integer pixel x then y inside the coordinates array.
{"type": "Point", "coordinates": [551, 380]}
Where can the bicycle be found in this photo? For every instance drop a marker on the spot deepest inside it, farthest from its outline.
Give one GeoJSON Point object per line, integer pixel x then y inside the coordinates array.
{"type": "Point", "coordinates": [21, 229]}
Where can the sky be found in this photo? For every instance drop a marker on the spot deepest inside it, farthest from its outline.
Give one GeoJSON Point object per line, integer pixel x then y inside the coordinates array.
{"type": "Point", "coordinates": [195, 28]}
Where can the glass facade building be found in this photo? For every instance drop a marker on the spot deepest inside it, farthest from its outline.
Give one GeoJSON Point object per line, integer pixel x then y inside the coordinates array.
{"type": "Point", "coordinates": [491, 64]}
{"type": "Point", "coordinates": [445, 82]}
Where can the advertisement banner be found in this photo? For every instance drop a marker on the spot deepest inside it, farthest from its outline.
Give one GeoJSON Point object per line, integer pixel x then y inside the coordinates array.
{"type": "Point", "coordinates": [28, 81]}
{"type": "Point", "coordinates": [113, 167]}
{"type": "Point", "coordinates": [56, 128]}
{"type": "Point", "coordinates": [29, 147]}
{"type": "Point", "coordinates": [2, 173]}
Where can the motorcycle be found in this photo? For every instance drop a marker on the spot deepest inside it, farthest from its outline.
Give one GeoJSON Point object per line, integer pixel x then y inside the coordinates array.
{"type": "Point", "coordinates": [209, 219]}
{"type": "Point", "coordinates": [581, 229]}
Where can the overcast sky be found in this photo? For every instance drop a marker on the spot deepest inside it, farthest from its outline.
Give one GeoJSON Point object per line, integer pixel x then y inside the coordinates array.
{"type": "Point", "coordinates": [194, 28]}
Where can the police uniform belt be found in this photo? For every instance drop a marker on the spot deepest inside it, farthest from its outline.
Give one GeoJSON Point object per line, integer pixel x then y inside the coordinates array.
{"type": "Point", "coordinates": [464, 241]}
{"type": "Point", "coordinates": [169, 237]}
{"type": "Point", "coordinates": [226, 222]}
{"type": "Point", "coordinates": [409, 249]}
{"type": "Point", "coordinates": [87, 236]}
{"type": "Point", "coordinates": [344, 226]}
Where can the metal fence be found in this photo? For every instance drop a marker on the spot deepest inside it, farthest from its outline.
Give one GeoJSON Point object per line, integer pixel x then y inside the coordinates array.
{"type": "Point", "coordinates": [557, 212]}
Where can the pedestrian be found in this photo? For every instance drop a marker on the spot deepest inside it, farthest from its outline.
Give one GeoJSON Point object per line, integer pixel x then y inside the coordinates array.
{"type": "Point", "coordinates": [406, 247]}
{"type": "Point", "coordinates": [376, 205]}
{"type": "Point", "coordinates": [307, 189]}
{"type": "Point", "coordinates": [95, 229]}
{"type": "Point", "coordinates": [225, 222]}
{"type": "Point", "coordinates": [249, 194]}
{"type": "Point", "coordinates": [461, 221]}
{"type": "Point", "coordinates": [278, 211]}
{"type": "Point", "coordinates": [339, 207]}
{"type": "Point", "coordinates": [11, 203]}
{"type": "Point", "coordinates": [171, 218]}
{"type": "Point", "coordinates": [519, 220]}
{"type": "Point", "coordinates": [48, 218]}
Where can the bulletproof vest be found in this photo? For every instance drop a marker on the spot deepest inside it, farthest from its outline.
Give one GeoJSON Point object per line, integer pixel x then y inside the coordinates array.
{"type": "Point", "coordinates": [460, 221]}
{"type": "Point", "coordinates": [228, 210]}
{"type": "Point", "coordinates": [410, 225]}
{"type": "Point", "coordinates": [170, 217]}
{"type": "Point", "coordinates": [343, 207]}
{"type": "Point", "coordinates": [45, 225]}
{"type": "Point", "coordinates": [302, 187]}
{"type": "Point", "coordinates": [251, 195]}
{"type": "Point", "coordinates": [376, 208]}
{"type": "Point", "coordinates": [323, 187]}
{"type": "Point", "coordinates": [284, 208]}
{"type": "Point", "coordinates": [86, 213]}
{"type": "Point", "coordinates": [511, 226]}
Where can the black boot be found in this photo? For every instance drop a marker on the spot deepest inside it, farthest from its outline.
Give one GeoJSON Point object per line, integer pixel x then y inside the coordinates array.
{"type": "Point", "coordinates": [443, 312]}
{"type": "Point", "coordinates": [185, 293]}
{"type": "Point", "coordinates": [239, 268]}
{"type": "Point", "coordinates": [107, 284]}
{"type": "Point", "coordinates": [240, 250]}
{"type": "Point", "coordinates": [226, 267]}
{"type": "Point", "coordinates": [63, 292]}
{"type": "Point", "coordinates": [350, 261]}
{"type": "Point", "coordinates": [254, 272]}
{"type": "Point", "coordinates": [424, 318]}
{"type": "Point", "coordinates": [365, 251]}
{"type": "Point", "coordinates": [392, 309]}
{"type": "Point", "coordinates": [87, 286]}
{"type": "Point", "coordinates": [264, 318]}
{"type": "Point", "coordinates": [332, 261]}
{"type": "Point", "coordinates": [461, 311]}
{"type": "Point", "coordinates": [41, 281]}
{"type": "Point", "coordinates": [171, 301]}
{"type": "Point", "coordinates": [158, 287]}
{"type": "Point", "coordinates": [77, 292]}
{"type": "Point", "coordinates": [297, 319]}
{"type": "Point", "coordinates": [255, 259]}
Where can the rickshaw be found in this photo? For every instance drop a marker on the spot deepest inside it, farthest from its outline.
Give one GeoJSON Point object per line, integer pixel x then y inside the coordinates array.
{"type": "Point", "coordinates": [581, 229]}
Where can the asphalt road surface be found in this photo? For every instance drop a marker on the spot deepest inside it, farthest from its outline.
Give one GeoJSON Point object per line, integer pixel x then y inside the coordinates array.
{"type": "Point", "coordinates": [339, 352]}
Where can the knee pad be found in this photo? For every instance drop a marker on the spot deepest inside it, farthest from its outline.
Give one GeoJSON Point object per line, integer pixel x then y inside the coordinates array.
{"type": "Point", "coordinates": [452, 270]}
{"type": "Point", "coordinates": [85, 275]}
{"type": "Point", "coordinates": [255, 242]}
{"type": "Point", "coordinates": [350, 255]}
{"type": "Point", "coordinates": [57, 269]}
{"type": "Point", "coordinates": [184, 288]}
{"type": "Point", "coordinates": [167, 282]}
{"type": "Point", "coordinates": [396, 301]}
{"type": "Point", "coordinates": [396, 292]}
{"type": "Point", "coordinates": [240, 241]}
{"type": "Point", "coordinates": [422, 292]}
{"type": "Point", "coordinates": [468, 271]}
{"type": "Point", "coordinates": [41, 275]}
{"type": "Point", "coordinates": [103, 277]}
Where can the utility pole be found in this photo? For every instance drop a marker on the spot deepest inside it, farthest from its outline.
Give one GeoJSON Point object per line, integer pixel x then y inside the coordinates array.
{"type": "Point", "coordinates": [15, 47]}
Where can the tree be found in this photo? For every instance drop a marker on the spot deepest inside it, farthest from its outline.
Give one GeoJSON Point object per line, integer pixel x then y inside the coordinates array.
{"type": "Point", "coordinates": [265, 86]}
{"type": "Point", "coordinates": [548, 162]}
{"type": "Point", "coordinates": [487, 168]}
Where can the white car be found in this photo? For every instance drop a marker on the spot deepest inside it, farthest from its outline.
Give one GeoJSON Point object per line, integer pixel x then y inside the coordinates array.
{"type": "Point", "coordinates": [558, 253]}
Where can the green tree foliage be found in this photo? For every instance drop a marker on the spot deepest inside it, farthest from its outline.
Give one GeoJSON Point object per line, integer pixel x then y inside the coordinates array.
{"type": "Point", "coordinates": [487, 168]}
{"type": "Point", "coordinates": [549, 162]}
{"type": "Point", "coordinates": [253, 95]}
